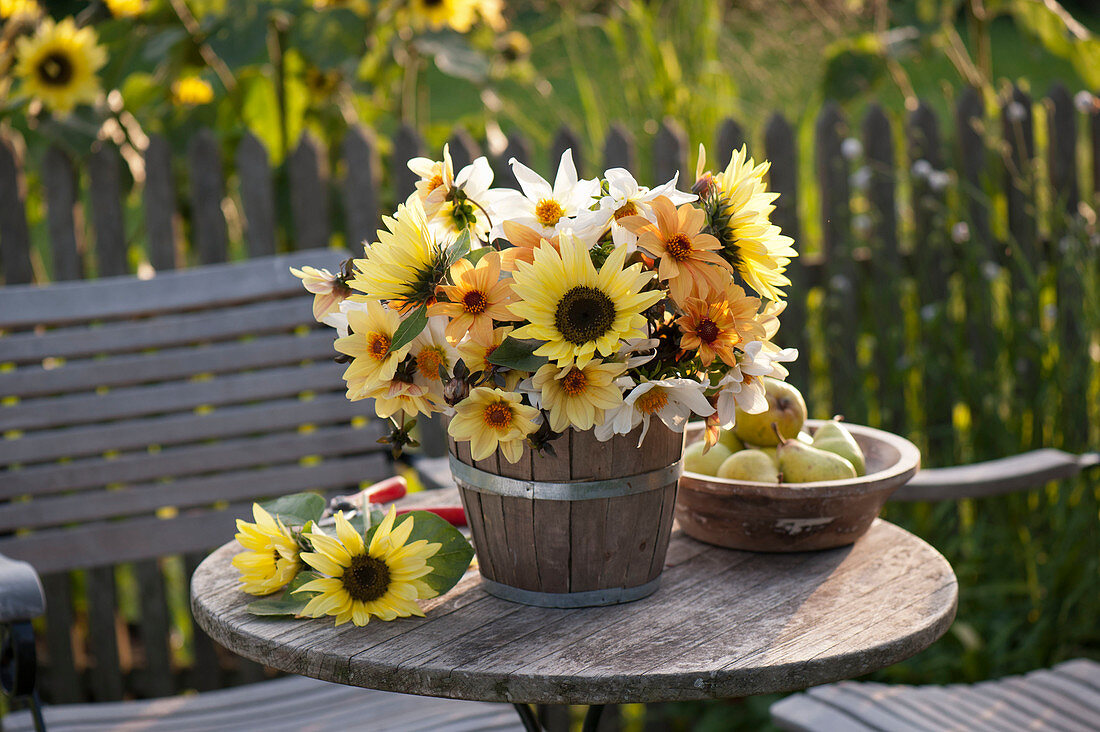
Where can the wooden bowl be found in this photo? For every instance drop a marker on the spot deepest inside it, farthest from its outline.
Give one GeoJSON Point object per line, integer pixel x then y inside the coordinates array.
{"type": "Point", "coordinates": [794, 517]}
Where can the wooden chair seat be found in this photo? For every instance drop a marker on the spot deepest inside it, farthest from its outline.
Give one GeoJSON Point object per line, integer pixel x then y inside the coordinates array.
{"type": "Point", "coordinates": [289, 704]}
{"type": "Point", "coordinates": [1066, 697]}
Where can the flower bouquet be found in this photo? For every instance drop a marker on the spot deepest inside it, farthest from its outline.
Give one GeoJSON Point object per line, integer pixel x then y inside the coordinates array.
{"type": "Point", "coordinates": [559, 328]}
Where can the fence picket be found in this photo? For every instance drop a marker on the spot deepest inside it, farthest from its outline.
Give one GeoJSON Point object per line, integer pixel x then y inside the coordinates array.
{"type": "Point", "coordinates": [731, 136]}
{"type": "Point", "coordinates": [517, 148]}
{"type": "Point", "coordinates": [669, 151]}
{"type": "Point", "coordinates": [361, 185]}
{"type": "Point", "coordinates": [257, 196]}
{"type": "Point", "coordinates": [932, 267]}
{"type": "Point", "coordinates": [210, 238]}
{"type": "Point", "coordinates": [463, 148]}
{"type": "Point", "coordinates": [307, 169]}
{"type": "Point", "coordinates": [841, 320]}
{"type": "Point", "coordinates": [618, 148]}
{"type": "Point", "coordinates": [406, 146]}
{"type": "Point", "coordinates": [1019, 182]}
{"type": "Point", "coordinates": [59, 177]}
{"type": "Point", "coordinates": [15, 239]}
{"type": "Point", "coordinates": [566, 139]}
{"type": "Point", "coordinates": [105, 193]}
{"type": "Point", "coordinates": [878, 145]}
{"type": "Point", "coordinates": [160, 205]}
{"type": "Point", "coordinates": [781, 150]}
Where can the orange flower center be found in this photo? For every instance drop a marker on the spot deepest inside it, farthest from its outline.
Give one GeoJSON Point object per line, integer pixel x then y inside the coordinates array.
{"type": "Point", "coordinates": [497, 415]}
{"type": "Point", "coordinates": [548, 212]}
{"type": "Point", "coordinates": [627, 209]}
{"type": "Point", "coordinates": [435, 182]}
{"type": "Point", "coordinates": [428, 362]}
{"type": "Point", "coordinates": [708, 330]}
{"type": "Point", "coordinates": [574, 382]}
{"type": "Point", "coordinates": [474, 302]}
{"type": "Point", "coordinates": [679, 246]}
{"type": "Point", "coordinates": [652, 401]}
{"type": "Point", "coordinates": [378, 345]}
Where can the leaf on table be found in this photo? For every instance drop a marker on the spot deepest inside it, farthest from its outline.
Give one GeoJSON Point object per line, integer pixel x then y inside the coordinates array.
{"type": "Point", "coordinates": [297, 509]}
{"type": "Point", "coordinates": [453, 558]}
{"type": "Point", "coordinates": [287, 603]}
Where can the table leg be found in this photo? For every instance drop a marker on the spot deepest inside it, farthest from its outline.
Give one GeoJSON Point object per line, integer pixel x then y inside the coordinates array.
{"type": "Point", "coordinates": [592, 718]}
{"type": "Point", "coordinates": [530, 723]}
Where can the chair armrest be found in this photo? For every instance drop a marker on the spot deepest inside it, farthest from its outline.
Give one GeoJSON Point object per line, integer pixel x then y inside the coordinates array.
{"type": "Point", "coordinates": [21, 593]}
{"type": "Point", "coordinates": [995, 477]}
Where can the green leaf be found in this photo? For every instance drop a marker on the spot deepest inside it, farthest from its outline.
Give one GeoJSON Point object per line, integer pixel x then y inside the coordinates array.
{"type": "Point", "coordinates": [287, 603]}
{"type": "Point", "coordinates": [518, 354]}
{"type": "Point", "coordinates": [296, 509]}
{"type": "Point", "coordinates": [458, 249]}
{"type": "Point", "coordinates": [475, 255]}
{"type": "Point", "coordinates": [410, 328]}
{"type": "Point", "coordinates": [453, 558]}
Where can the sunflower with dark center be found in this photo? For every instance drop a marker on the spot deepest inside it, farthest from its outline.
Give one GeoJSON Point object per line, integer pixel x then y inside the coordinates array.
{"type": "Point", "coordinates": [382, 580]}
{"type": "Point", "coordinates": [58, 65]}
{"type": "Point", "coordinates": [577, 311]}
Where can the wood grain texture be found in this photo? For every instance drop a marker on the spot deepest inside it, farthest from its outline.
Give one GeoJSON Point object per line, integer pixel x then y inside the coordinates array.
{"type": "Point", "coordinates": [160, 205]}
{"type": "Point", "coordinates": [59, 177]}
{"type": "Point", "coordinates": [307, 168]}
{"type": "Point", "coordinates": [803, 619]}
{"type": "Point", "coordinates": [105, 193]}
{"type": "Point", "coordinates": [210, 238]}
{"type": "Point", "coordinates": [15, 239]}
{"type": "Point", "coordinates": [257, 196]}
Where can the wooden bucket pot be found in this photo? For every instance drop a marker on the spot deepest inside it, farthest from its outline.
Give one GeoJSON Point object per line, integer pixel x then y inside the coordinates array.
{"type": "Point", "coordinates": [586, 526]}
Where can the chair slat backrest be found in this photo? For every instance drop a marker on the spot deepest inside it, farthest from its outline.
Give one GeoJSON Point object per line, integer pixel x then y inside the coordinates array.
{"type": "Point", "coordinates": [140, 418]}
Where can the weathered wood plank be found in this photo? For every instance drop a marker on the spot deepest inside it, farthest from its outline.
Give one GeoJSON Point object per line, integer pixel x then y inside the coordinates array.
{"type": "Point", "coordinates": [878, 145]}
{"type": "Point", "coordinates": [189, 460]}
{"type": "Point", "coordinates": [406, 146]}
{"type": "Point", "coordinates": [59, 177]}
{"type": "Point", "coordinates": [464, 149]}
{"type": "Point", "coordinates": [341, 472]}
{"type": "Point", "coordinates": [307, 169]}
{"type": "Point", "coordinates": [361, 186]}
{"type": "Point", "coordinates": [205, 672]}
{"type": "Point", "coordinates": [618, 149]}
{"type": "Point", "coordinates": [779, 146]}
{"type": "Point", "coordinates": [156, 676]}
{"type": "Point", "coordinates": [105, 192]}
{"type": "Point", "coordinates": [171, 292]}
{"type": "Point", "coordinates": [61, 684]}
{"type": "Point", "coordinates": [15, 239]}
{"type": "Point", "coordinates": [566, 139]}
{"type": "Point", "coordinates": [841, 317]}
{"type": "Point", "coordinates": [102, 640]}
{"type": "Point", "coordinates": [669, 152]}
{"type": "Point", "coordinates": [257, 196]}
{"type": "Point", "coordinates": [731, 136]}
{"type": "Point", "coordinates": [210, 238]}
{"type": "Point", "coordinates": [519, 149]}
{"type": "Point", "coordinates": [994, 477]}
{"type": "Point", "coordinates": [160, 205]}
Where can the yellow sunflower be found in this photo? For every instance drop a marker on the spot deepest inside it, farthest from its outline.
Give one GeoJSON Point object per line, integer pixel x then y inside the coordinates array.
{"type": "Point", "coordinates": [437, 14]}
{"type": "Point", "coordinates": [407, 262]}
{"type": "Point", "coordinates": [478, 297]}
{"type": "Point", "coordinates": [738, 207]}
{"type": "Point", "coordinates": [368, 344]}
{"type": "Point", "coordinates": [578, 311]}
{"type": "Point", "coordinates": [491, 418]}
{"type": "Point", "coordinates": [126, 8]}
{"type": "Point", "coordinates": [380, 580]}
{"type": "Point", "coordinates": [271, 561]}
{"type": "Point", "coordinates": [21, 9]}
{"type": "Point", "coordinates": [58, 65]}
{"type": "Point", "coordinates": [192, 91]}
{"type": "Point", "coordinates": [577, 397]}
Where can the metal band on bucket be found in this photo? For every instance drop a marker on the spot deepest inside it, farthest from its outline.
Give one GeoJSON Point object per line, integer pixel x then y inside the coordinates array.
{"type": "Point", "coordinates": [484, 482]}
{"type": "Point", "coordinates": [589, 598]}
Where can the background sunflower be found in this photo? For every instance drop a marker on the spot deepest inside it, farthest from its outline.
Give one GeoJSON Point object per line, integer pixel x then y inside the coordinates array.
{"type": "Point", "coordinates": [58, 65]}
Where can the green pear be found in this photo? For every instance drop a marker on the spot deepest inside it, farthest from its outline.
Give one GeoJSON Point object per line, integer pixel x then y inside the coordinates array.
{"type": "Point", "coordinates": [770, 452]}
{"type": "Point", "coordinates": [752, 465]}
{"type": "Point", "coordinates": [786, 408]}
{"type": "Point", "coordinates": [802, 463]}
{"type": "Point", "coordinates": [730, 440]}
{"type": "Point", "coordinates": [696, 462]}
{"type": "Point", "coordinates": [806, 437]}
{"type": "Point", "coordinates": [834, 437]}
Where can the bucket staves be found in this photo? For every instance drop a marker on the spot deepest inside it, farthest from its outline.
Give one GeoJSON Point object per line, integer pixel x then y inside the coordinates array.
{"type": "Point", "coordinates": [586, 526]}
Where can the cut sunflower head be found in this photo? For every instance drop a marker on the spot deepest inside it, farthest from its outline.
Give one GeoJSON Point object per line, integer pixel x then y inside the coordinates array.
{"type": "Point", "coordinates": [382, 579]}
{"type": "Point", "coordinates": [406, 264]}
{"type": "Point", "coordinates": [58, 65]}
{"type": "Point", "coordinates": [689, 259]}
{"type": "Point", "coordinates": [271, 560]}
{"type": "Point", "coordinates": [478, 297]}
{"type": "Point", "coordinates": [577, 311]}
{"type": "Point", "coordinates": [19, 9]}
{"type": "Point", "coordinates": [491, 418]}
{"type": "Point", "coordinates": [373, 326]}
{"type": "Point", "coordinates": [738, 206]}
{"type": "Point", "coordinates": [577, 397]}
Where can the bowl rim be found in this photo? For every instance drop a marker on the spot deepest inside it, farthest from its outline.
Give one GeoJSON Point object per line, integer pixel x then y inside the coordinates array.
{"type": "Point", "coordinates": [892, 477]}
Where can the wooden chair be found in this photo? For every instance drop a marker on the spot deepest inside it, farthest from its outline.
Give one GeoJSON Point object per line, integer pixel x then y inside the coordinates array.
{"type": "Point", "coordinates": [140, 418]}
{"type": "Point", "coordinates": [1066, 697]}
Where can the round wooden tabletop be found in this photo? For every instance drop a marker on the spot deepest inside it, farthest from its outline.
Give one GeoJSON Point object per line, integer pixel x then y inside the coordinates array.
{"type": "Point", "coordinates": [723, 624]}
